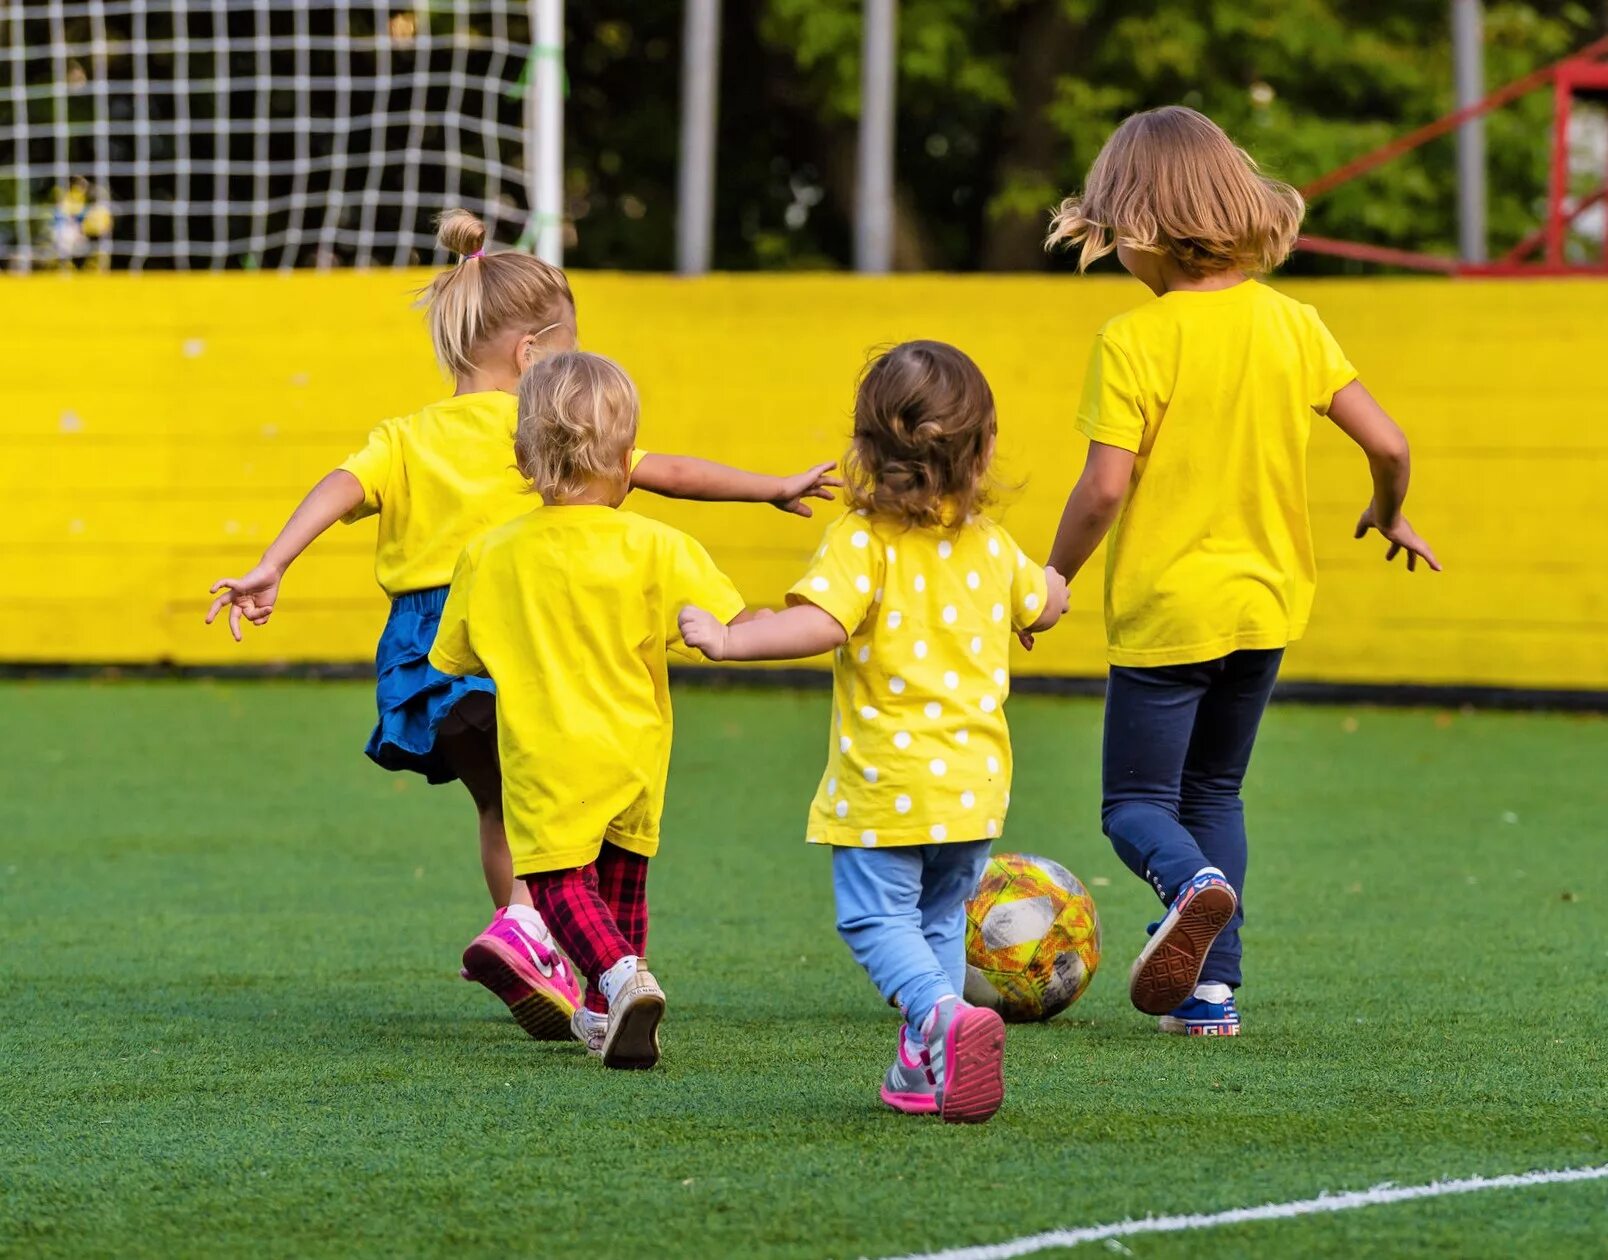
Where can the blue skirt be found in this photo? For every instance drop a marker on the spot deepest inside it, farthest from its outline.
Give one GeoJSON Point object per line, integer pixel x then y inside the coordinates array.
{"type": "Point", "coordinates": [411, 694]}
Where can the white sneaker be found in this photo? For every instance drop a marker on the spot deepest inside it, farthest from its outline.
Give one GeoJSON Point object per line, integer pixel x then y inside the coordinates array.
{"type": "Point", "coordinates": [632, 1039]}
{"type": "Point", "coordinates": [589, 1028]}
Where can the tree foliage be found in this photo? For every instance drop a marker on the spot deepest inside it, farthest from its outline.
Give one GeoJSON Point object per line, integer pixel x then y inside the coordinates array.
{"type": "Point", "coordinates": [1003, 104]}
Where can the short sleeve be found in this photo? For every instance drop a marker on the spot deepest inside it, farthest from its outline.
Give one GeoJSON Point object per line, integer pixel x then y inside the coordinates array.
{"type": "Point", "coordinates": [372, 468]}
{"type": "Point", "coordinates": [452, 652]}
{"type": "Point", "coordinates": [1331, 370]}
{"type": "Point", "coordinates": [1112, 411]}
{"type": "Point", "coordinates": [695, 579]}
{"type": "Point", "coordinates": [1029, 586]}
{"type": "Point", "coordinates": [845, 574]}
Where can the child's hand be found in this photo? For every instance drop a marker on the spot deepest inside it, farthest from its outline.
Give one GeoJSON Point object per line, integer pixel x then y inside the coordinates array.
{"type": "Point", "coordinates": [810, 484]}
{"type": "Point", "coordinates": [1056, 602]}
{"type": "Point", "coordinates": [703, 631]}
{"type": "Point", "coordinates": [1401, 536]}
{"type": "Point", "coordinates": [251, 597]}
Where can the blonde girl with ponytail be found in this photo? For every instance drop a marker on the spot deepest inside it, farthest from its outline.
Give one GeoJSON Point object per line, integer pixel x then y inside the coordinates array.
{"type": "Point", "coordinates": [438, 479]}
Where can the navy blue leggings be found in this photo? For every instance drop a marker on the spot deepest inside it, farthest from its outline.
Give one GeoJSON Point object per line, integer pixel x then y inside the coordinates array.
{"type": "Point", "coordinates": [1178, 740]}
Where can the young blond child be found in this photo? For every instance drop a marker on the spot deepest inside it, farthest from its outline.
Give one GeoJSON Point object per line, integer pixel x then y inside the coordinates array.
{"type": "Point", "coordinates": [437, 479]}
{"type": "Point", "coordinates": [570, 610]}
{"type": "Point", "coordinates": [1198, 406]}
{"type": "Point", "coordinates": [920, 595]}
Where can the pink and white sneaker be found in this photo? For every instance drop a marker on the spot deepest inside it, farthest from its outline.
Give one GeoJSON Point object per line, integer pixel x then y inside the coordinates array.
{"type": "Point", "coordinates": [524, 968]}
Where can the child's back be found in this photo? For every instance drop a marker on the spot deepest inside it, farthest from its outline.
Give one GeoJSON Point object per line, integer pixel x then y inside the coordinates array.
{"type": "Point", "coordinates": [438, 479]}
{"type": "Point", "coordinates": [1214, 391]}
{"type": "Point", "coordinates": [573, 607]}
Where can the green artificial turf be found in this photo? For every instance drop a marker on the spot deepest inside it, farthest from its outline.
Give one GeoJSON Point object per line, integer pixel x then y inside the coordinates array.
{"type": "Point", "coordinates": [230, 1017]}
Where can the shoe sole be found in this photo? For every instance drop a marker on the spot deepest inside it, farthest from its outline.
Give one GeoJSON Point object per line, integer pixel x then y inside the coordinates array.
{"type": "Point", "coordinates": [632, 1043]}
{"type": "Point", "coordinates": [544, 1014]}
{"type": "Point", "coordinates": [1166, 973]}
{"type": "Point", "coordinates": [974, 1067]}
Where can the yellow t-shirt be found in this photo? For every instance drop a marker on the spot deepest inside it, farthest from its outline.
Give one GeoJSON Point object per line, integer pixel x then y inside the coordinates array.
{"type": "Point", "coordinates": [439, 479]}
{"type": "Point", "coordinates": [570, 610]}
{"type": "Point", "coordinates": [1214, 391]}
{"type": "Point", "coordinates": [920, 752]}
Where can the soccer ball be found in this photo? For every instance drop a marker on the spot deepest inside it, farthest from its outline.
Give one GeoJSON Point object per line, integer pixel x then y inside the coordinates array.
{"type": "Point", "coordinates": [1032, 938]}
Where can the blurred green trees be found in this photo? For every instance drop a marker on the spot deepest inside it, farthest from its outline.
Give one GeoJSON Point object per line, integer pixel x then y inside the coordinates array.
{"type": "Point", "coordinates": [1003, 103]}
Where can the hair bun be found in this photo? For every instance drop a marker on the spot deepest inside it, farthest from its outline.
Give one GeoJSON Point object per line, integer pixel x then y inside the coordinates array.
{"type": "Point", "coordinates": [461, 232]}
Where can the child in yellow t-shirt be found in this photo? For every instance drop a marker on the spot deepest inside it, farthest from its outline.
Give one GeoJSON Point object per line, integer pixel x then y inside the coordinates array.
{"type": "Point", "coordinates": [1198, 406]}
{"type": "Point", "coordinates": [920, 595]}
{"type": "Point", "coordinates": [569, 609]}
{"type": "Point", "coordinates": [438, 479]}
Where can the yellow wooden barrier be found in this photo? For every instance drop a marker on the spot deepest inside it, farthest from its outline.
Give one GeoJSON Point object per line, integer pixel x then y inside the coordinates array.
{"type": "Point", "coordinates": [155, 430]}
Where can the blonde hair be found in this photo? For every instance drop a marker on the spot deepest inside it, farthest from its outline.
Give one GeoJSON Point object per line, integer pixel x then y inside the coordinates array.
{"type": "Point", "coordinates": [1171, 181]}
{"type": "Point", "coordinates": [484, 295]}
{"type": "Point", "coordinates": [577, 422]}
{"type": "Point", "coordinates": [923, 436]}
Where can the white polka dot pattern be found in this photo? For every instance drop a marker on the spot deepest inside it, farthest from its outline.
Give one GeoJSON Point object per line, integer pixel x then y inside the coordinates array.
{"type": "Point", "coordinates": [926, 675]}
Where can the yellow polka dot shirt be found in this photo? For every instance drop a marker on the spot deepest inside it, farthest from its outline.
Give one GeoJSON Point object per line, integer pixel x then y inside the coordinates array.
{"type": "Point", "coordinates": [920, 752]}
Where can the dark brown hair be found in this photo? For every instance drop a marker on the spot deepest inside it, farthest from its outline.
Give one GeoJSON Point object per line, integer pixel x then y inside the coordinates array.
{"type": "Point", "coordinates": [923, 436]}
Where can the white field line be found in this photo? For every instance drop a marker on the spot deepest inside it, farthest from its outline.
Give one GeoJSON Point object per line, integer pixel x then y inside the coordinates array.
{"type": "Point", "coordinates": [1343, 1202]}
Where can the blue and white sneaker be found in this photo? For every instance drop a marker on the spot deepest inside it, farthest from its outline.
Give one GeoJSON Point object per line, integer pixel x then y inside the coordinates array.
{"type": "Point", "coordinates": [1209, 1013]}
{"type": "Point", "coordinates": [1166, 972]}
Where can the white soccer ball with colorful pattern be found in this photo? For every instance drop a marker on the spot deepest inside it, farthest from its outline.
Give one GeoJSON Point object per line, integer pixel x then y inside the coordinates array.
{"type": "Point", "coordinates": [1032, 938]}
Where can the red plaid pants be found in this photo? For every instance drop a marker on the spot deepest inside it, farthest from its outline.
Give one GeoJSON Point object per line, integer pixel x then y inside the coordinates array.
{"type": "Point", "coordinates": [598, 914]}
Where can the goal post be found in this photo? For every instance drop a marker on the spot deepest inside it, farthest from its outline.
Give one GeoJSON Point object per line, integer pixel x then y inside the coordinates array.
{"type": "Point", "coordinates": [227, 134]}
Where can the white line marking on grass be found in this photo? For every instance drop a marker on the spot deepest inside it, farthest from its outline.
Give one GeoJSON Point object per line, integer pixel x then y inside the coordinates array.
{"type": "Point", "coordinates": [1343, 1202]}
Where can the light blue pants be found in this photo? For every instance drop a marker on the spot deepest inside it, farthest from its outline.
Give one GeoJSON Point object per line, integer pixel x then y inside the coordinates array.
{"type": "Point", "coordinates": [902, 913]}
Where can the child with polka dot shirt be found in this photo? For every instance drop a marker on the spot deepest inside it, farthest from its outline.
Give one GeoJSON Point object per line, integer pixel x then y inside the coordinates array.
{"type": "Point", "coordinates": [920, 595]}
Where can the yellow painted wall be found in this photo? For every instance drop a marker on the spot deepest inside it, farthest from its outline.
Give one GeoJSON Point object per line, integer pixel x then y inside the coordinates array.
{"type": "Point", "coordinates": [155, 431]}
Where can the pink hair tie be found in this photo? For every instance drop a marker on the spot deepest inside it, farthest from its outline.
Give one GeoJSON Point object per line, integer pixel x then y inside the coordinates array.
{"type": "Point", "coordinates": [479, 253]}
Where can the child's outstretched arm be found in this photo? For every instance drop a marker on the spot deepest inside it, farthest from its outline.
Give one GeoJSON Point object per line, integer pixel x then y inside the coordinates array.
{"type": "Point", "coordinates": [1364, 421]}
{"type": "Point", "coordinates": [252, 595]}
{"type": "Point", "coordinates": [792, 634]}
{"type": "Point", "coordinates": [1091, 508]}
{"type": "Point", "coordinates": [686, 477]}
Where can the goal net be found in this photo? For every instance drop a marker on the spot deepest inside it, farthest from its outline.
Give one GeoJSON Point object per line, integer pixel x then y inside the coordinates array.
{"type": "Point", "coordinates": [213, 134]}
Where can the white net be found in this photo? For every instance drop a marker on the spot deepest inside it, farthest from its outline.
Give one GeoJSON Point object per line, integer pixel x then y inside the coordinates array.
{"type": "Point", "coordinates": [215, 134]}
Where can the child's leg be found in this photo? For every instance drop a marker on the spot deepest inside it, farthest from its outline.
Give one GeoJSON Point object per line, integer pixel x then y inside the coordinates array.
{"type": "Point", "coordinates": [950, 878]}
{"type": "Point", "coordinates": [1150, 716]}
{"type": "Point", "coordinates": [622, 883]}
{"type": "Point", "coordinates": [467, 738]}
{"type": "Point", "coordinates": [1209, 801]}
{"type": "Point", "coordinates": [580, 921]}
{"type": "Point", "coordinates": [879, 917]}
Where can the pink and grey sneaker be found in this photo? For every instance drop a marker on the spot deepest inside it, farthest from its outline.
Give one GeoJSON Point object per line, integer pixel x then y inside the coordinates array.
{"type": "Point", "coordinates": [958, 1072]}
{"type": "Point", "coordinates": [911, 1086]}
{"type": "Point", "coordinates": [524, 968]}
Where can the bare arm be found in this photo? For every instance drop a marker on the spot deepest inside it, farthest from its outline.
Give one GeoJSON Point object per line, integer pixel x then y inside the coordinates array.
{"type": "Point", "coordinates": [793, 634]}
{"type": "Point", "coordinates": [252, 595]}
{"type": "Point", "coordinates": [1091, 507]}
{"type": "Point", "coordinates": [1364, 421]}
{"type": "Point", "coordinates": [687, 477]}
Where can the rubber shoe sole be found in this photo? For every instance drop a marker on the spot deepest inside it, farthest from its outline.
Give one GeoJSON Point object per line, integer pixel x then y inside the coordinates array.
{"type": "Point", "coordinates": [1165, 974]}
{"type": "Point", "coordinates": [974, 1067]}
{"type": "Point", "coordinates": [541, 1012]}
{"type": "Point", "coordinates": [632, 1041]}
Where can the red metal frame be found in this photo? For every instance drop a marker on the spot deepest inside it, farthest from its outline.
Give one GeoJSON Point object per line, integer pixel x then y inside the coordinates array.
{"type": "Point", "coordinates": [1585, 71]}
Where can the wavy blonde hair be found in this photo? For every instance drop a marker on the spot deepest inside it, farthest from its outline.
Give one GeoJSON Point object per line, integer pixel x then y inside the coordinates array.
{"type": "Point", "coordinates": [577, 422]}
{"type": "Point", "coordinates": [923, 436]}
{"type": "Point", "coordinates": [483, 295]}
{"type": "Point", "coordinates": [1171, 181]}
